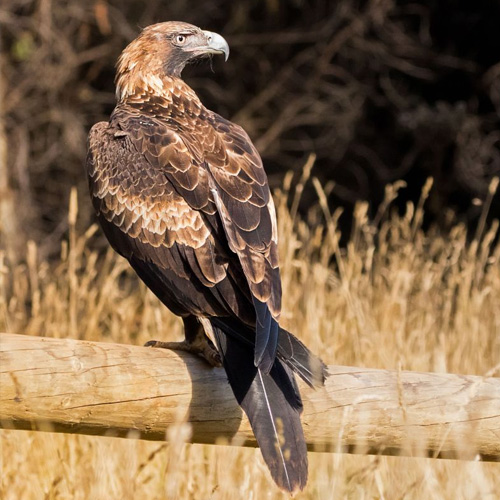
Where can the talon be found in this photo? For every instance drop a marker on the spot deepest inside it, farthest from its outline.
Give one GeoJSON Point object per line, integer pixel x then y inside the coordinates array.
{"type": "Point", "coordinates": [199, 347]}
{"type": "Point", "coordinates": [215, 359]}
{"type": "Point", "coordinates": [196, 342]}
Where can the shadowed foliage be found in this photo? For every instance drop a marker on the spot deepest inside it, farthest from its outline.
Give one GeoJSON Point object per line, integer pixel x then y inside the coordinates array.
{"type": "Point", "coordinates": [379, 91]}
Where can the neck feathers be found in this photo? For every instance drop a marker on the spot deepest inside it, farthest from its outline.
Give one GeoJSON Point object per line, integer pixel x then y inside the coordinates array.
{"type": "Point", "coordinates": [140, 79]}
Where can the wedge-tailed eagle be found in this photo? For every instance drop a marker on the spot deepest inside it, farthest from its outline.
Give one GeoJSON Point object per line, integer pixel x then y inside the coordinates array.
{"type": "Point", "coordinates": [181, 193]}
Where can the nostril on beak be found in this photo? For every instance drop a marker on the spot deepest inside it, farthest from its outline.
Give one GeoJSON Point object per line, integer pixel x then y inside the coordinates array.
{"type": "Point", "coordinates": [216, 44]}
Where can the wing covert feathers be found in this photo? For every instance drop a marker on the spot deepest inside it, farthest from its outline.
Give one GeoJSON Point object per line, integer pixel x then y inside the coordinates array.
{"type": "Point", "coordinates": [187, 175]}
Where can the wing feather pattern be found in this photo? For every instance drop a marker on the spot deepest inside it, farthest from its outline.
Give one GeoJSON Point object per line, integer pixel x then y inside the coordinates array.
{"type": "Point", "coordinates": [225, 181]}
{"type": "Point", "coordinates": [166, 240]}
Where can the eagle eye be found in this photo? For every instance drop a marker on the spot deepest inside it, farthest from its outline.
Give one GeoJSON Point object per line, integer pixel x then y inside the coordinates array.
{"type": "Point", "coordinates": [180, 39]}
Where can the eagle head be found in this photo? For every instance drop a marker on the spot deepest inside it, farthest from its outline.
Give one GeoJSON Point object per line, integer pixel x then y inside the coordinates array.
{"type": "Point", "coordinates": [162, 50]}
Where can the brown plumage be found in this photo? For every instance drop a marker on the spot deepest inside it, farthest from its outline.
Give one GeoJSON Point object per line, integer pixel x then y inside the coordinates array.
{"type": "Point", "coordinates": [182, 194]}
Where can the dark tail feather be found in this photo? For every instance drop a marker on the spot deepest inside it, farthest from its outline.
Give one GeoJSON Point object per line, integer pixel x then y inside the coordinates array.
{"type": "Point", "coordinates": [273, 406]}
{"type": "Point", "coordinates": [290, 350]}
{"type": "Point", "coordinates": [266, 336]}
{"type": "Point", "coordinates": [300, 359]}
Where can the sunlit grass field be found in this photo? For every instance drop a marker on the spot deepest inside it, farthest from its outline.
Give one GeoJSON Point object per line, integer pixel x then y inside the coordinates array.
{"type": "Point", "coordinates": [394, 297]}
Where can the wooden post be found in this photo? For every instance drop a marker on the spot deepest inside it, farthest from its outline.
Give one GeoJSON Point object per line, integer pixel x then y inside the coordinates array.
{"type": "Point", "coordinates": [66, 385]}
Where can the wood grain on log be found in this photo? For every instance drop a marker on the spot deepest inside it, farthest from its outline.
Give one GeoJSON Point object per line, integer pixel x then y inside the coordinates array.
{"type": "Point", "coordinates": [66, 385]}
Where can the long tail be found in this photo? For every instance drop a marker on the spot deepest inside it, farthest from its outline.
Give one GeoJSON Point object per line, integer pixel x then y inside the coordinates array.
{"type": "Point", "coordinates": [290, 350]}
{"type": "Point", "coordinates": [273, 406]}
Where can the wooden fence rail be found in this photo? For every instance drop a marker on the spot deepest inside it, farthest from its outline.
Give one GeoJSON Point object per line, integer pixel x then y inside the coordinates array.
{"type": "Point", "coordinates": [65, 385]}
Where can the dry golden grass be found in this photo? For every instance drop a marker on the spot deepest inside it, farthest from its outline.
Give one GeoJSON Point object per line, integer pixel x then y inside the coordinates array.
{"type": "Point", "coordinates": [395, 297]}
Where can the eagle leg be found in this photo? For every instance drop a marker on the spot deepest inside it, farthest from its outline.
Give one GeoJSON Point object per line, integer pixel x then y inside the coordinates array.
{"type": "Point", "coordinates": [196, 342]}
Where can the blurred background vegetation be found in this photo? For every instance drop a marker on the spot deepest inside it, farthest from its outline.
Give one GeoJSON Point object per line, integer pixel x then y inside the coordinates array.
{"type": "Point", "coordinates": [378, 90]}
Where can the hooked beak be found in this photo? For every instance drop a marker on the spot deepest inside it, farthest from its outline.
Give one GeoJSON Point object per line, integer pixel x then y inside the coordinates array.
{"type": "Point", "coordinates": [216, 44]}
